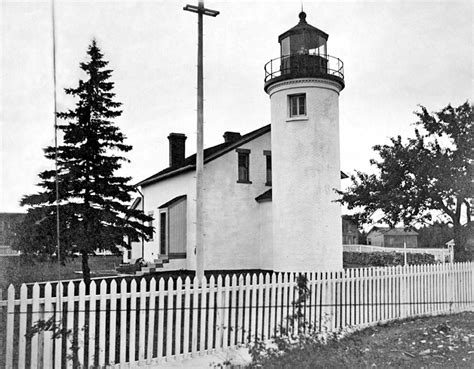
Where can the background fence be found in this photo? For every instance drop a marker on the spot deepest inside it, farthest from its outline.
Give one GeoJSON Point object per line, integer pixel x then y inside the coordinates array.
{"type": "Point", "coordinates": [144, 321]}
{"type": "Point", "coordinates": [442, 255]}
{"type": "Point", "coordinates": [8, 251]}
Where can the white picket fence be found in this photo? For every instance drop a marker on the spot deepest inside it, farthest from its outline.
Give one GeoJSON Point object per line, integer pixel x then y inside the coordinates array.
{"type": "Point", "coordinates": [131, 323]}
{"type": "Point", "coordinates": [442, 255]}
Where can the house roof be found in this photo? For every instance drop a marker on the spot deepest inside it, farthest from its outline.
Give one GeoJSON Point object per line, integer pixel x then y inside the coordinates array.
{"type": "Point", "coordinates": [266, 196]}
{"type": "Point", "coordinates": [210, 154]}
{"type": "Point", "coordinates": [398, 231]}
{"type": "Point", "coordinates": [172, 201]}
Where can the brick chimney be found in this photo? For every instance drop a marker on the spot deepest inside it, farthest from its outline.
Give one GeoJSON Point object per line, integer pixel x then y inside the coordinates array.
{"type": "Point", "coordinates": [231, 136]}
{"type": "Point", "coordinates": [177, 149]}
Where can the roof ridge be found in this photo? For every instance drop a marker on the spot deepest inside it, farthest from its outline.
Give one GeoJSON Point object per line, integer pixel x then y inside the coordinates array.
{"type": "Point", "coordinates": [190, 161]}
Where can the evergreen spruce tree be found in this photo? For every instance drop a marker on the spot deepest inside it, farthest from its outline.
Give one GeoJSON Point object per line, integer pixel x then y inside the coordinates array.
{"type": "Point", "coordinates": [93, 210]}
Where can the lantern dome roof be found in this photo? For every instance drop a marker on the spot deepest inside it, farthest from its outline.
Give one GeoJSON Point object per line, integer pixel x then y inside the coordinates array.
{"type": "Point", "coordinates": [302, 27]}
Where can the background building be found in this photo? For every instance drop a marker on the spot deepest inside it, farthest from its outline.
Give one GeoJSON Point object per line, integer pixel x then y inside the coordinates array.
{"type": "Point", "coordinates": [392, 237]}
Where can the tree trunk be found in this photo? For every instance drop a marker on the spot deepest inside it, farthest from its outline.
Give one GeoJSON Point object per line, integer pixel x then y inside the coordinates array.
{"type": "Point", "coordinates": [459, 242]}
{"type": "Point", "coordinates": [86, 272]}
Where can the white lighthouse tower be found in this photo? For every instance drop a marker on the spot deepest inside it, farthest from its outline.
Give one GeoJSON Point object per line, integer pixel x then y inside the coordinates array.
{"type": "Point", "coordinates": [304, 85]}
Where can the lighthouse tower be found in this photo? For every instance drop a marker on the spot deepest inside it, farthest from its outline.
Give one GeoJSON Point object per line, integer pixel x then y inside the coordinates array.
{"type": "Point", "coordinates": [304, 85]}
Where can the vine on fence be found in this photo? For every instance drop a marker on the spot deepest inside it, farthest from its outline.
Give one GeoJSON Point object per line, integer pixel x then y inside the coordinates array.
{"type": "Point", "coordinates": [58, 332]}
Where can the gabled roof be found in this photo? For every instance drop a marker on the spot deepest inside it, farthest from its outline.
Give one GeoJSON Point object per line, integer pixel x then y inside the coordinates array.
{"type": "Point", "coordinates": [210, 154]}
{"type": "Point", "coordinates": [399, 231]}
{"type": "Point", "coordinates": [266, 196]}
{"type": "Point", "coordinates": [172, 202]}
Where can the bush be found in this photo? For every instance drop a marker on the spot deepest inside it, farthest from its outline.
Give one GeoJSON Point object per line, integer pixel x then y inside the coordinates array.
{"type": "Point", "coordinates": [128, 268]}
{"type": "Point", "coordinates": [385, 258]}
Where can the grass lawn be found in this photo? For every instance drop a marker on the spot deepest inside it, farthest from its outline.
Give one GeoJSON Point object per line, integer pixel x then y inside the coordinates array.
{"type": "Point", "coordinates": [433, 342]}
{"type": "Point", "coordinates": [17, 269]}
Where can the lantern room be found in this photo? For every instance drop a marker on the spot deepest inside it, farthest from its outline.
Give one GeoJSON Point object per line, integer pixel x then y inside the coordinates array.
{"type": "Point", "coordinates": [303, 53]}
{"type": "Point", "coordinates": [303, 39]}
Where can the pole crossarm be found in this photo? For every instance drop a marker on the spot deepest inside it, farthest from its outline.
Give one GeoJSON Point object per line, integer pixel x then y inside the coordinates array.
{"type": "Point", "coordinates": [201, 9]}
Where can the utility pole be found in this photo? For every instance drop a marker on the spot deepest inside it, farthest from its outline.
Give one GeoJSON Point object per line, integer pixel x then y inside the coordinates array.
{"type": "Point", "coordinates": [200, 10]}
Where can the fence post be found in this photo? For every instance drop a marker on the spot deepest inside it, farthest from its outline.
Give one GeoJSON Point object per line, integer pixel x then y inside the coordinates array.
{"type": "Point", "coordinates": [278, 297]}
{"type": "Point", "coordinates": [291, 304]}
{"type": "Point", "coordinates": [244, 296]}
{"type": "Point", "coordinates": [34, 320]}
{"type": "Point", "coordinates": [151, 320]}
{"type": "Point", "coordinates": [123, 320]}
{"type": "Point", "coordinates": [22, 332]}
{"type": "Point", "coordinates": [253, 317]}
{"type": "Point", "coordinates": [92, 323]}
{"type": "Point", "coordinates": [133, 321]}
{"type": "Point", "coordinates": [403, 291]}
{"type": "Point", "coordinates": [219, 313]}
{"type": "Point", "coordinates": [179, 313]}
{"type": "Point", "coordinates": [142, 321]}
{"type": "Point", "coordinates": [204, 302]}
{"type": "Point", "coordinates": [161, 305]}
{"type": "Point", "coordinates": [267, 308]}
{"type": "Point", "coordinates": [169, 318]}
{"type": "Point", "coordinates": [187, 315]}
{"type": "Point", "coordinates": [233, 325]}
{"type": "Point", "coordinates": [211, 329]}
{"type": "Point", "coordinates": [10, 326]}
{"type": "Point", "coordinates": [113, 320]}
{"type": "Point", "coordinates": [81, 323]}
{"type": "Point", "coordinates": [102, 321]}
{"type": "Point", "coordinates": [70, 321]}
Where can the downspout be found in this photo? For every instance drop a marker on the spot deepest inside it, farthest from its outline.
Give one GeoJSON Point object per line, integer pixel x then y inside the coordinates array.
{"type": "Point", "coordinates": [143, 210]}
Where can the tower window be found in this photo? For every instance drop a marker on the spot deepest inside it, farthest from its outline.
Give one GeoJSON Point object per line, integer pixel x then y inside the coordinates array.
{"type": "Point", "coordinates": [297, 105]}
{"type": "Point", "coordinates": [243, 166]}
{"type": "Point", "coordinates": [268, 159]}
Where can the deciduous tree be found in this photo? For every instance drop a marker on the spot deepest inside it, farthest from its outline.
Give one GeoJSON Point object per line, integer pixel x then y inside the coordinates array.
{"type": "Point", "coordinates": [430, 172]}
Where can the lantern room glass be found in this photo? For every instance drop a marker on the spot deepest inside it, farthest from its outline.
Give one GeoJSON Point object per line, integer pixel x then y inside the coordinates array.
{"type": "Point", "coordinates": [306, 43]}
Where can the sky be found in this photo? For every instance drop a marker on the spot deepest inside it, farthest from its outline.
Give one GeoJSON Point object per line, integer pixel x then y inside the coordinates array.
{"type": "Point", "coordinates": [396, 54]}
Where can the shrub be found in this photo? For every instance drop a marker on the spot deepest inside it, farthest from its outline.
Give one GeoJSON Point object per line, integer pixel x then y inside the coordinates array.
{"type": "Point", "coordinates": [385, 258]}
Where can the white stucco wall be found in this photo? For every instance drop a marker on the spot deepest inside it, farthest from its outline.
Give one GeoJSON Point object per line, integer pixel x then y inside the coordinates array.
{"type": "Point", "coordinates": [232, 217]}
{"type": "Point", "coordinates": [161, 192]}
{"type": "Point", "coordinates": [306, 222]}
{"type": "Point", "coordinates": [265, 230]}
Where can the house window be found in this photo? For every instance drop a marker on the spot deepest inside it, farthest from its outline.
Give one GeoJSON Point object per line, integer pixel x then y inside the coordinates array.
{"type": "Point", "coordinates": [243, 166]}
{"type": "Point", "coordinates": [268, 159]}
{"type": "Point", "coordinates": [163, 233]}
{"type": "Point", "coordinates": [297, 105]}
{"type": "Point", "coordinates": [150, 224]}
{"type": "Point", "coordinates": [172, 240]}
